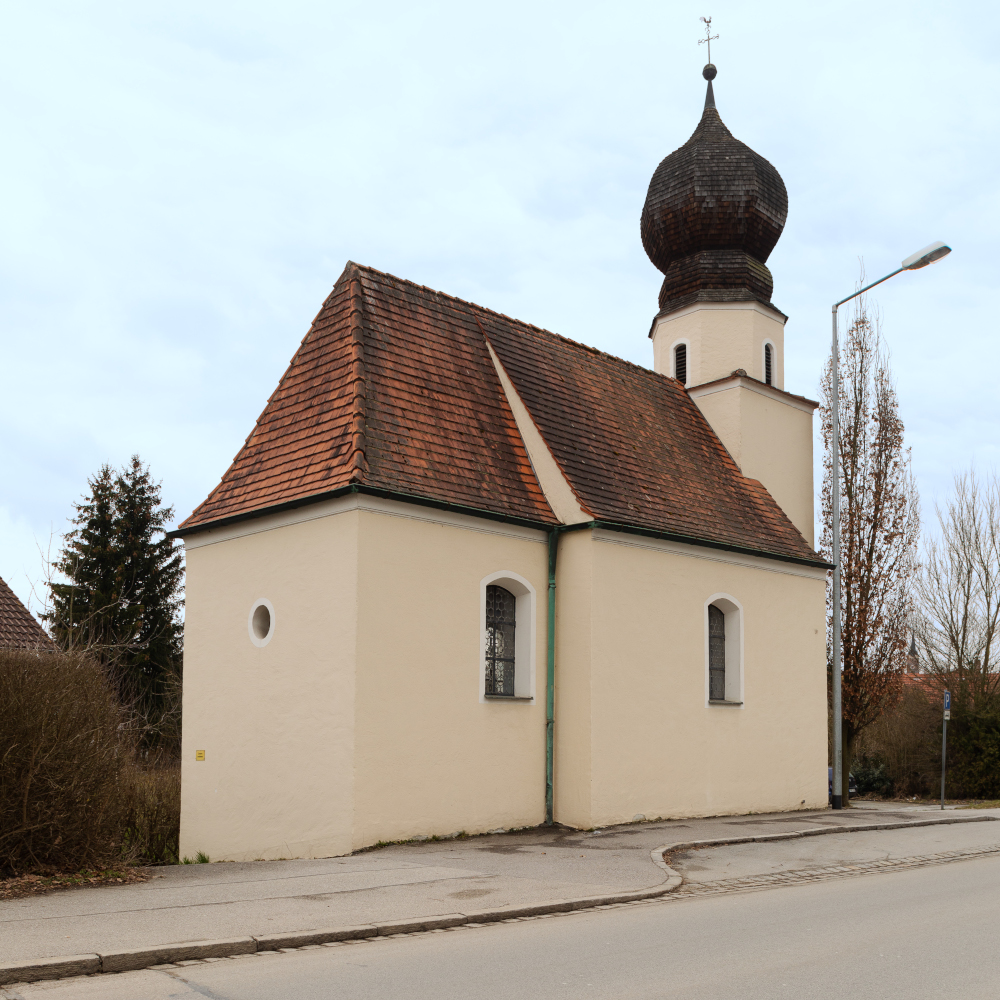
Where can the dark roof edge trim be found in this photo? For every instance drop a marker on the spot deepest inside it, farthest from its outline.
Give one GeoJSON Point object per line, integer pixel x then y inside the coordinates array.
{"type": "Point", "coordinates": [670, 536]}
{"type": "Point", "coordinates": [374, 491]}
{"type": "Point", "coordinates": [693, 300]}
{"type": "Point", "coordinates": [489, 515]}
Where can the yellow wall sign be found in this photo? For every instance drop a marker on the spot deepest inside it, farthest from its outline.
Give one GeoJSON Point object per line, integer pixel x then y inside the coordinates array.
{"type": "Point", "coordinates": [199, 755]}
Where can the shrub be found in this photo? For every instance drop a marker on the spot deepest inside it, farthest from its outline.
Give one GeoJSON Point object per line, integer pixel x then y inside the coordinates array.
{"type": "Point", "coordinates": [72, 794]}
{"type": "Point", "coordinates": [906, 744]}
{"type": "Point", "coordinates": [872, 776]}
{"type": "Point", "coordinates": [973, 770]}
{"type": "Point", "coordinates": [901, 752]}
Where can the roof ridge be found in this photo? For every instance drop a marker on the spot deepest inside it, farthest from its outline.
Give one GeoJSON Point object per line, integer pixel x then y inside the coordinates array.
{"type": "Point", "coordinates": [357, 461]}
{"type": "Point", "coordinates": [504, 316]}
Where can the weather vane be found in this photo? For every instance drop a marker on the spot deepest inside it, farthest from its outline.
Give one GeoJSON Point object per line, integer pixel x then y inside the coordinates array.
{"type": "Point", "coordinates": [709, 37]}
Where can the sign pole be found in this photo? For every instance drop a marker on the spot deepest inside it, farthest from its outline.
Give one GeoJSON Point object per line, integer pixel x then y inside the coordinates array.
{"type": "Point", "coordinates": [944, 739]}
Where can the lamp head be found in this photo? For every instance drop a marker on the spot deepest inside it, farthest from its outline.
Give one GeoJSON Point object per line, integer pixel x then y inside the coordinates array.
{"type": "Point", "coordinates": [928, 255]}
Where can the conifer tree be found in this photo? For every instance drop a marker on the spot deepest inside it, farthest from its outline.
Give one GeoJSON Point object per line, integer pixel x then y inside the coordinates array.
{"type": "Point", "coordinates": [125, 577]}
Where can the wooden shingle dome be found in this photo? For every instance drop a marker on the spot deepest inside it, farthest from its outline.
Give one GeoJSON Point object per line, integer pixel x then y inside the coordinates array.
{"type": "Point", "coordinates": [713, 213]}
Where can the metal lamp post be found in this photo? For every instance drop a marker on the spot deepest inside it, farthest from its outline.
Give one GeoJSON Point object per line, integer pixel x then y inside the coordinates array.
{"type": "Point", "coordinates": [921, 258]}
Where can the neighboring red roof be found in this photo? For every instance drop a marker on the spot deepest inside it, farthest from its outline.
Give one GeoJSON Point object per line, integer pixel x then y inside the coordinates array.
{"type": "Point", "coordinates": [393, 389]}
{"type": "Point", "coordinates": [18, 629]}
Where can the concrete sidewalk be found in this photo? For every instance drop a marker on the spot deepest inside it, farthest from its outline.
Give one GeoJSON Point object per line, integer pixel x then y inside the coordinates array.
{"type": "Point", "coordinates": [188, 903]}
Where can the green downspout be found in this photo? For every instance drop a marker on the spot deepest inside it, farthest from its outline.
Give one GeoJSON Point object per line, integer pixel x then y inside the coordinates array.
{"type": "Point", "coordinates": [550, 675]}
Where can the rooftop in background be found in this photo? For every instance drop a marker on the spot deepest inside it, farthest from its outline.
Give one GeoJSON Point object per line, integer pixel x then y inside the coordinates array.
{"type": "Point", "coordinates": [18, 628]}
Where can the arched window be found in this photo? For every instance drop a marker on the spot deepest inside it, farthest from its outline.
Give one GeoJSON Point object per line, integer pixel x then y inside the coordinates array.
{"type": "Point", "coordinates": [768, 351]}
{"type": "Point", "coordinates": [501, 620]}
{"type": "Point", "coordinates": [724, 651]}
{"type": "Point", "coordinates": [681, 363]}
{"type": "Point", "coordinates": [716, 654]}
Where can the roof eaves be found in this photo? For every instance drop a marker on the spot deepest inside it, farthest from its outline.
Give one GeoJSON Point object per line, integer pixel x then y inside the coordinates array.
{"type": "Point", "coordinates": [365, 490]}
{"type": "Point", "coordinates": [697, 298]}
{"type": "Point", "coordinates": [751, 383]}
{"type": "Point", "coordinates": [670, 536]}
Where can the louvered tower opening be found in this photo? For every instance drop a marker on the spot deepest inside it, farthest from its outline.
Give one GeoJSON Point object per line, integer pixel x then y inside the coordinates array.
{"type": "Point", "coordinates": [767, 364]}
{"type": "Point", "coordinates": [681, 363]}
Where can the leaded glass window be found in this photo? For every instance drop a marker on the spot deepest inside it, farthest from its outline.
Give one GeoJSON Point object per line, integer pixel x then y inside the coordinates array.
{"type": "Point", "coordinates": [716, 654]}
{"type": "Point", "coordinates": [500, 623]}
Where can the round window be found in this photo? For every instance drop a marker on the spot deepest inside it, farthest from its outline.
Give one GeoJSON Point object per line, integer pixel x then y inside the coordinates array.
{"type": "Point", "coordinates": [261, 622]}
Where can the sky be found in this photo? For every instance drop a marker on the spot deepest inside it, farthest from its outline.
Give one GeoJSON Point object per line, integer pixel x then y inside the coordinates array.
{"type": "Point", "coordinates": [182, 184]}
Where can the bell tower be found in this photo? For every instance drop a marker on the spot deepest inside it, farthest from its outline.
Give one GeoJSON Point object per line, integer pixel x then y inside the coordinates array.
{"type": "Point", "coordinates": [713, 213]}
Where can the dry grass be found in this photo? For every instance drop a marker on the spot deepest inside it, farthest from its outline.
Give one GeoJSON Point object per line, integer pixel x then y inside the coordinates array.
{"type": "Point", "coordinates": [153, 814]}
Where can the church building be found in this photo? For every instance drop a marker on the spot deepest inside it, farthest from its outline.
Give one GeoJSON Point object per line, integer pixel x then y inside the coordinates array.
{"type": "Point", "coordinates": [468, 574]}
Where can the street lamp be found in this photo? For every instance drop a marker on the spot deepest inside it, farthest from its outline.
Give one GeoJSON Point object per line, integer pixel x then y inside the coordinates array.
{"type": "Point", "coordinates": [921, 258]}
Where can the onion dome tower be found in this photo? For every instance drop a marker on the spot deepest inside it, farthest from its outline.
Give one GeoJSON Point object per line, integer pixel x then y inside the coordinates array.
{"type": "Point", "coordinates": [714, 212]}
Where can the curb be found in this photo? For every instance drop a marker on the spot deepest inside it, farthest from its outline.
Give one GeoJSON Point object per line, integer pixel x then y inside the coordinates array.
{"type": "Point", "coordinates": [34, 970]}
{"type": "Point", "coordinates": [817, 831]}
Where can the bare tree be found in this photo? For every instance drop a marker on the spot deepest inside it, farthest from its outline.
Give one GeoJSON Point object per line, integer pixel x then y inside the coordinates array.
{"type": "Point", "coordinates": [880, 526]}
{"type": "Point", "coordinates": [958, 592]}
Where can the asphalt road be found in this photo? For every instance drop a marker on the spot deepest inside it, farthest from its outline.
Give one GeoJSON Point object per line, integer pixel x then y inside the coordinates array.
{"type": "Point", "coordinates": [924, 933]}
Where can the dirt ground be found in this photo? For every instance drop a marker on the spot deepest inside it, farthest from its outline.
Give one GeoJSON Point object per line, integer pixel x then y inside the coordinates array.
{"type": "Point", "coordinates": [30, 885]}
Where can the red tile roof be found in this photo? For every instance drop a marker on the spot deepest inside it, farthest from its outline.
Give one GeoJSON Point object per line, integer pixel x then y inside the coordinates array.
{"type": "Point", "coordinates": [393, 390]}
{"type": "Point", "coordinates": [18, 629]}
{"type": "Point", "coordinates": [635, 447]}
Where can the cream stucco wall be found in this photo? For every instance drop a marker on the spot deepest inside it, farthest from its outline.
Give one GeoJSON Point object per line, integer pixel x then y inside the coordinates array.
{"type": "Point", "coordinates": [573, 730]}
{"type": "Point", "coordinates": [769, 434]}
{"type": "Point", "coordinates": [721, 337]}
{"type": "Point", "coordinates": [362, 719]}
{"type": "Point", "coordinates": [656, 746]}
{"type": "Point", "coordinates": [431, 757]}
{"type": "Point", "coordinates": [276, 722]}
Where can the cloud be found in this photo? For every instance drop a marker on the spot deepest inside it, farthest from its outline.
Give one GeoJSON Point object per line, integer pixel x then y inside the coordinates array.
{"type": "Point", "coordinates": [184, 184]}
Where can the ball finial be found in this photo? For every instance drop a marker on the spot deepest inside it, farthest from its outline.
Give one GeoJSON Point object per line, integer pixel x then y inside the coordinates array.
{"type": "Point", "coordinates": [709, 72]}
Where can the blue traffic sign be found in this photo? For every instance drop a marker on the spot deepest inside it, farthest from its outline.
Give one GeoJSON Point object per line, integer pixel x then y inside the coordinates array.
{"type": "Point", "coordinates": [947, 700]}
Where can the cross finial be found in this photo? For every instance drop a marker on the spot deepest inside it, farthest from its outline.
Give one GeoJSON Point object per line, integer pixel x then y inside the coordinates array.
{"type": "Point", "coordinates": [709, 37]}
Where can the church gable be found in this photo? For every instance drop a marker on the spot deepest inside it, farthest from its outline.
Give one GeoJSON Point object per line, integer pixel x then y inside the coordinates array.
{"type": "Point", "coordinates": [392, 389]}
